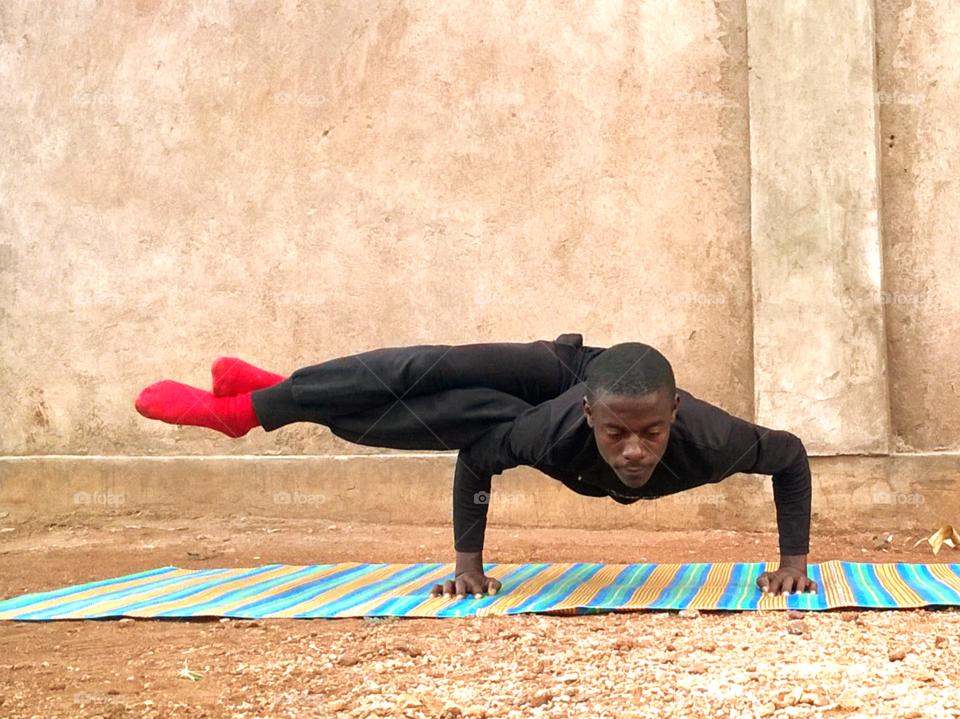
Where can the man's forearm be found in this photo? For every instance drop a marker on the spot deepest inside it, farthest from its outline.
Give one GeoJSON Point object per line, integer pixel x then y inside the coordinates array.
{"type": "Point", "coordinates": [792, 492]}
{"type": "Point", "coordinates": [471, 498]}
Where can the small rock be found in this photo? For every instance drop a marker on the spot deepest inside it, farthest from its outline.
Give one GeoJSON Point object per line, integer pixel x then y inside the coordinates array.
{"type": "Point", "coordinates": [472, 637]}
{"type": "Point", "coordinates": [539, 699]}
{"type": "Point", "coordinates": [795, 614]}
{"type": "Point", "coordinates": [941, 642]}
{"type": "Point", "coordinates": [670, 648]}
{"type": "Point", "coordinates": [348, 660]}
{"type": "Point", "coordinates": [849, 616]}
{"type": "Point", "coordinates": [915, 714]}
{"type": "Point", "coordinates": [797, 627]}
{"type": "Point", "coordinates": [767, 710]}
{"type": "Point", "coordinates": [751, 668]}
{"type": "Point", "coordinates": [697, 669]}
{"type": "Point", "coordinates": [125, 622]}
{"type": "Point", "coordinates": [689, 613]}
{"type": "Point", "coordinates": [808, 699]}
{"type": "Point", "coordinates": [337, 705]}
{"type": "Point", "coordinates": [409, 650]}
{"type": "Point", "coordinates": [57, 687]}
{"type": "Point", "coordinates": [450, 712]}
{"type": "Point", "coordinates": [898, 655]}
{"type": "Point", "coordinates": [848, 704]}
{"type": "Point", "coordinates": [568, 678]}
{"type": "Point", "coordinates": [709, 647]}
{"type": "Point", "coordinates": [475, 712]}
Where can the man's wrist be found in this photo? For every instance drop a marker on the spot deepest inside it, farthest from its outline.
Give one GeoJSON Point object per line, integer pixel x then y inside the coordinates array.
{"type": "Point", "coordinates": [794, 561]}
{"type": "Point", "coordinates": [469, 562]}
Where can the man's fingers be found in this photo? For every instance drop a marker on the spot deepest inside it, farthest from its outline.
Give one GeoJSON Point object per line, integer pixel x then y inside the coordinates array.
{"type": "Point", "coordinates": [763, 581]}
{"type": "Point", "coordinates": [436, 591]}
{"type": "Point", "coordinates": [787, 585]}
{"type": "Point", "coordinates": [772, 583]}
{"type": "Point", "coordinates": [493, 587]}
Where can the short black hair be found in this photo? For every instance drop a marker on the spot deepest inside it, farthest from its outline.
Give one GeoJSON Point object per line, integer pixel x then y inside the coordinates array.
{"type": "Point", "coordinates": [630, 369]}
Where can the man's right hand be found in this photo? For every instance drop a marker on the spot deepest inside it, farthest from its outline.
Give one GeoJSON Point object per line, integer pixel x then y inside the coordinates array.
{"type": "Point", "coordinates": [470, 582]}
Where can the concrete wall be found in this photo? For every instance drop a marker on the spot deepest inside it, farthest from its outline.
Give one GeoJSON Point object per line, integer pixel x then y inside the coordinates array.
{"type": "Point", "coordinates": [442, 173]}
{"type": "Point", "coordinates": [288, 183]}
{"type": "Point", "coordinates": [919, 76]}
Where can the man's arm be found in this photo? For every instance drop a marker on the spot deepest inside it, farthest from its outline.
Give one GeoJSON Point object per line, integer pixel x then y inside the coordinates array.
{"type": "Point", "coordinates": [758, 450]}
{"type": "Point", "coordinates": [471, 499]}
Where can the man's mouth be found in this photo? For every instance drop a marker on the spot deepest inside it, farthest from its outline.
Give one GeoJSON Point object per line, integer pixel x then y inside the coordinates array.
{"type": "Point", "coordinates": [635, 476]}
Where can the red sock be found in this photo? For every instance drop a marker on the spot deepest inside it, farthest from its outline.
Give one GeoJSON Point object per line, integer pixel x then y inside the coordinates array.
{"type": "Point", "coordinates": [176, 403]}
{"type": "Point", "coordinates": [234, 376]}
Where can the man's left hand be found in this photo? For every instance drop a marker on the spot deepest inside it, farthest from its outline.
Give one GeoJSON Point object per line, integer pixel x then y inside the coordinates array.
{"type": "Point", "coordinates": [785, 581]}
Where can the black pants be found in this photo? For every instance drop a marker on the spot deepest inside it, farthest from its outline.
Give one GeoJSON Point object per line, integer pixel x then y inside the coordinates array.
{"type": "Point", "coordinates": [428, 397]}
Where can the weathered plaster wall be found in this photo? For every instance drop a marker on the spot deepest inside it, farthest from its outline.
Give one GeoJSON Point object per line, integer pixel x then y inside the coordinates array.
{"type": "Point", "coordinates": [443, 172]}
{"type": "Point", "coordinates": [918, 49]}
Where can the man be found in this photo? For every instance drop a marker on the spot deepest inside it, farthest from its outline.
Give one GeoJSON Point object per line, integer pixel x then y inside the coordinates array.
{"type": "Point", "coordinates": [604, 422]}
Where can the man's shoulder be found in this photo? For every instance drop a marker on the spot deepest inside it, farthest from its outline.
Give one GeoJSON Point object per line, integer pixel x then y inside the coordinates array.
{"type": "Point", "coordinates": [701, 423]}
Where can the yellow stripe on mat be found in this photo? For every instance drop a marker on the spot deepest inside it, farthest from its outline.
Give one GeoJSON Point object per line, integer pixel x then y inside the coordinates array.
{"type": "Point", "coordinates": [403, 589]}
{"type": "Point", "coordinates": [342, 590]}
{"type": "Point", "coordinates": [893, 583]}
{"type": "Point", "coordinates": [525, 591]}
{"type": "Point", "coordinates": [713, 587]}
{"type": "Point", "coordinates": [653, 586]}
{"type": "Point", "coordinates": [97, 591]}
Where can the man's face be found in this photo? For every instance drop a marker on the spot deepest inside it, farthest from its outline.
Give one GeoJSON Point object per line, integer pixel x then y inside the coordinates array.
{"type": "Point", "coordinates": [632, 432]}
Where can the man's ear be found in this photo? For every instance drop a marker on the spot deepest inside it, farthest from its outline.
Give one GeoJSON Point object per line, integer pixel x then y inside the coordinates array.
{"type": "Point", "coordinates": [676, 406]}
{"type": "Point", "coordinates": [587, 413]}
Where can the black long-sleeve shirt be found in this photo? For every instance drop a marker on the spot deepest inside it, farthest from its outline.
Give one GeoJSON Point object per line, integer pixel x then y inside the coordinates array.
{"type": "Point", "coordinates": [706, 445]}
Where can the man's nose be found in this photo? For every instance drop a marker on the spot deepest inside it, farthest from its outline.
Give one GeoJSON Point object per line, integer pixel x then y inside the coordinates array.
{"type": "Point", "coordinates": [634, 450]}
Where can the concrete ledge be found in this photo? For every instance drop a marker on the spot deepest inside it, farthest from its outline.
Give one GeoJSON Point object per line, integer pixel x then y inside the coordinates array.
{"type": "Point", "coordinates": [909, 491]}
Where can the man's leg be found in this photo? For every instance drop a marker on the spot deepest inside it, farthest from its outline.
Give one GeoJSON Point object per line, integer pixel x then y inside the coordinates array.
{"type": "Point", "coordinates": [421, 397]}
{"type": "Point", "coordinates": [369, 383]}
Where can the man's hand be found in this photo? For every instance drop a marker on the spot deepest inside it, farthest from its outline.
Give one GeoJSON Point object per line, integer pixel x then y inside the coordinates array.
{"type": "Point", "coordinates": [471, 582]}
{"type": "Point", "coordinates": [791, 576]}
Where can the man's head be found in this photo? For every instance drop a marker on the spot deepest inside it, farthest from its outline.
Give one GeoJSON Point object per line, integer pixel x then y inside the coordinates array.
{"type": "Point", "coordinates": [631, 403]}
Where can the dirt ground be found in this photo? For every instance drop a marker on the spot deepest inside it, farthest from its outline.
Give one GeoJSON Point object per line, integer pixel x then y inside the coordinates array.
{"type": "Point", "coordinates": [644, 664]}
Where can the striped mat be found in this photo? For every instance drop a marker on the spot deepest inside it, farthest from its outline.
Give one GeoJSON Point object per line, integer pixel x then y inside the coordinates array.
{"type": "Point", "coordinates": [402, 590]}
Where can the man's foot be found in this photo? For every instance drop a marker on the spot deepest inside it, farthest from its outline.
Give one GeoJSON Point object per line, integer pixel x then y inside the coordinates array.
{"type": "Point", "coordinates": [234, 376]}
{"type": "Point", "coordinates": [176, 403]}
